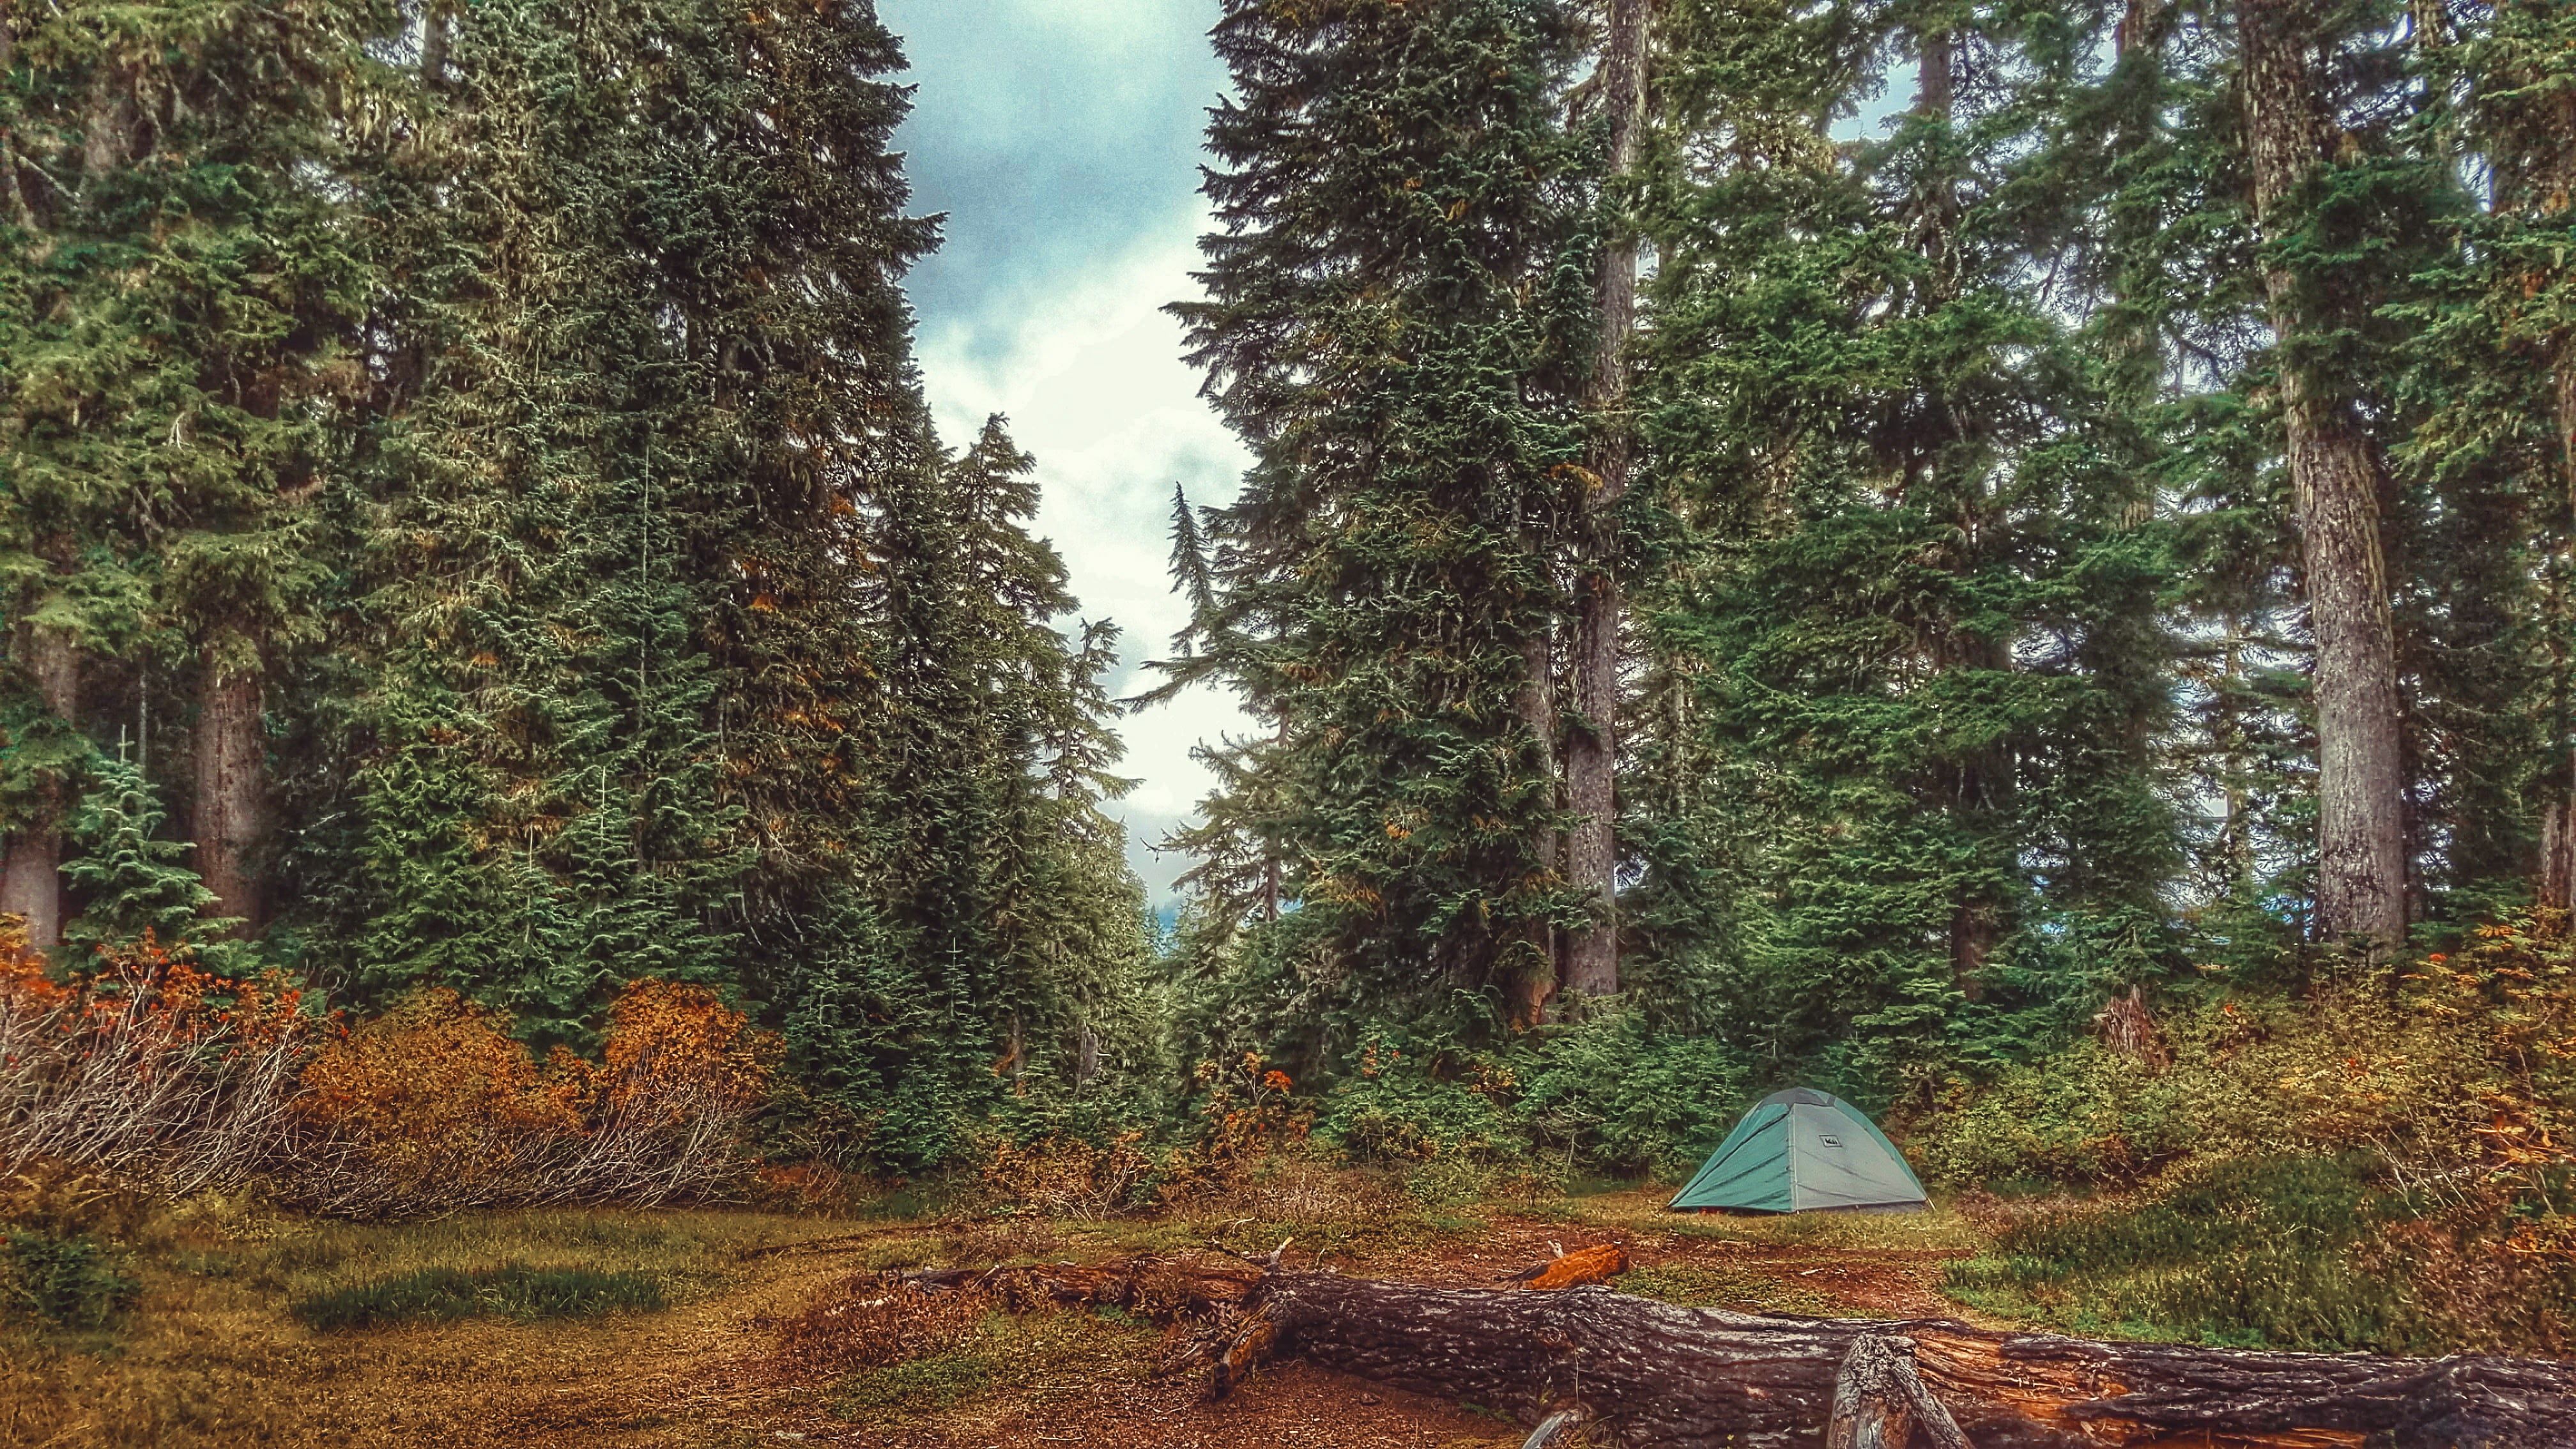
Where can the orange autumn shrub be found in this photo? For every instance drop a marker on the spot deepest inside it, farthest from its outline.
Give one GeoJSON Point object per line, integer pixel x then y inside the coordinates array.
{"type": "Point", "coordinates": [682, 1077]}
{"type": "Point", "coordinates": [146, 1066]}
{"type": "Point", "coordinates": [432, 1105]}
{"type": "Point", "coordinates": [1067, 1177]}
{"type": "Point", "coordinates": [435, 1106]}
{"type": "Point", "coordinates": [674, 1049]}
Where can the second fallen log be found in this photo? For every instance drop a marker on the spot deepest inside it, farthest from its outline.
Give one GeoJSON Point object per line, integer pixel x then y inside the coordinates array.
{"type": "Point", "coordinates": [1653, 1375]}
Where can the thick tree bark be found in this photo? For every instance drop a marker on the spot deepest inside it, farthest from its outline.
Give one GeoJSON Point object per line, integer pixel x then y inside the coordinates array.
{"type": "Point", "coordinates": [11, 193]}
{"type": "Point", "coordinates": [2129, 1029]}
{"type": "Point", "coordinates": [1881, 1401]}
{"type": "Point", "coordinates": [232, 798]}
{"type": "Point", "coordinates": [1592, 747]}
{"type": "Point", "coordinates": [2549, 191]}
{"type": "Point", "coordinates": [434, 44]}
{"type": "Point", "coordinates": [31, 883]}
{"type": "Point", "coordinates": [2334, 471]}
{"type": "Point", "coordinates": [1650, 1375]}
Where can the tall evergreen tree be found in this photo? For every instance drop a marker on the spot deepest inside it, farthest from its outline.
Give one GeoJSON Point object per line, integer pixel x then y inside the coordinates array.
{"type": "Point", "coordinates": [1398, 323]}
{"type": "Point", "coordinates": [2497, 349]}
{"type": "Point", "coordinates": [183, 287]}
{"type": "Point", "coordinates": [1927, 628]}
{"type": "Point", "coordinates": [622, 571]}
{"type": "Point", "coordinates": [995, 952]}
{"type": "Point", "coordinates": [2336, 467]}
{"type": "Point", "coordinates": [1592, 749]}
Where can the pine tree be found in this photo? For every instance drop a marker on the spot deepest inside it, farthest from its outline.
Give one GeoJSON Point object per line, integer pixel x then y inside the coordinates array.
{"type": "Point", "coordinates": [1592, 748]}
{"type": "Point", "coordinates": [2361, 886]}
{"type": "Point", "coordinates": [658, 375]}
{"type": "Point", "coordinates": [1398, 322]}
{"type": "Point", "coordinates": [996, 958]}
{"type": "Point", "coordinates": [132, 880]}
{"type": "Point", "coordinates": [1924, 634]}
{"type": "Point", "coordinates": [182, 287]}
{"type": "Point", "coordinates": [2497, 353]}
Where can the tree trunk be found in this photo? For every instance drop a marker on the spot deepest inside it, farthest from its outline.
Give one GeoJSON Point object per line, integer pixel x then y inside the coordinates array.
{"type": "Point", "coordinates": [10, 191]}
{"type": "Point", "coordinates": [1981, 780]}
{"type": "Point", "coordinates": [2535, 163]}
{"type": "Point", "coordinates": [2558, 826]}
{"type": "Point", "coordinates": [1536, 706]}
{"type": "Point", "coordinates": [2334, 472]}
{"type": "Point", "coordinates": [1650, 1375]}
{"type": "Point", "coordinates": [31, 884]}
{"type": "Point", "coordinates": [232, 801]}
{"type": "Point", "coordinates": [1592, 747]}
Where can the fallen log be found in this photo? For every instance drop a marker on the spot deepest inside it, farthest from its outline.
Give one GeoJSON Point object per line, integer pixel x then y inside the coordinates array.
{"type": "Point", "coordinates": [1652, 1375]}
{"type": "Point", "coordinates": [1163, 1290]}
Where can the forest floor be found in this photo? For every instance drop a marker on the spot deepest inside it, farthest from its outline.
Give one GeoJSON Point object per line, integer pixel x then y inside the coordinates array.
{"type": "Point", "coordinates": [215, 1353]}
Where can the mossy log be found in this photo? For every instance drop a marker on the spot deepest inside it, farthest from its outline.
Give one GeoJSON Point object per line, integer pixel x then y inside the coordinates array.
{"type": "Point", "coordinates": [1652, 1375]}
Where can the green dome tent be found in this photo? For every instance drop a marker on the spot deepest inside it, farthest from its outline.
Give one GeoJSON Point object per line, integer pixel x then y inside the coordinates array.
{"type": "Point", "coordinates": [1799, 1151]}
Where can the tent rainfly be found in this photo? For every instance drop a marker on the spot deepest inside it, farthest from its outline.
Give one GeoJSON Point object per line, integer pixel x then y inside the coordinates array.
{"type": "Point", "coordinates": [1800, 1151]}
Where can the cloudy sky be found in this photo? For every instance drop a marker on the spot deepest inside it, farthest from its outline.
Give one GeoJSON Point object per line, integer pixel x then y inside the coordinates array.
{"type": "Point", "coordinates": [1061, 138]}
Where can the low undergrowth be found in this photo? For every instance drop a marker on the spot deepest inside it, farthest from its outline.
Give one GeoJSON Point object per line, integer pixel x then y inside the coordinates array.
{"type": "Point", "coordinates": [64, 1281]}
{"type": "Point", "coordinates": [2310, 1253]}
{"type": "Point", "coordinates": [146, 1065]}
{"type": "Point", "coordinates": [2381, 1162]}
{"type": "Point", "coordinates": [513, 1290]}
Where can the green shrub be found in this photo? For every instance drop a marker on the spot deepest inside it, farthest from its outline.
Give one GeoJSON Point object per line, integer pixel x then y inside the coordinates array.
{"type": "Point", "coordinates": [513, 1290]}
{"type": "Point", "coordinates": [1410, 1100]}
{"type": "Point", "coordinates": [1606, 1095]}
{"type": "Point", "coordinates": [2455, 1065]}
{"type": "Point", "coordinates": [2085, 1115]}
{"type": "Point", "coordinates": [1617, 1097]}
{"type": "Point", "coordinates": [64, 1281]}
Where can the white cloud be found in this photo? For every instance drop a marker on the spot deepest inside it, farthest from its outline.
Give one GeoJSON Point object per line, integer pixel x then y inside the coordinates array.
{"type": "Point", "coordinates": [1092, 381]}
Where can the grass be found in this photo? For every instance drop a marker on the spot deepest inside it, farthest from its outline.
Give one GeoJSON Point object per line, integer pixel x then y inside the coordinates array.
{"type": "Point", "coordinates": [1056, 1352]}
{"type": "Point", "coordinates": [513, 1290]}
{"type": "Point", "coordinates": [900, 1391]}
{"type": "Point", "coordinates": [213, 1355]}
{"type": "Point", "coordinates": [70, 1282]}
{"type": "Point", "coordinates": [2265, 1254]}
{"type": "Point", "coordinates": [544, 1320]}
{"type": "Point", "coordinates": [1942, 1228]}
{"type": "Point", "coordinates": [1694, 1285]}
